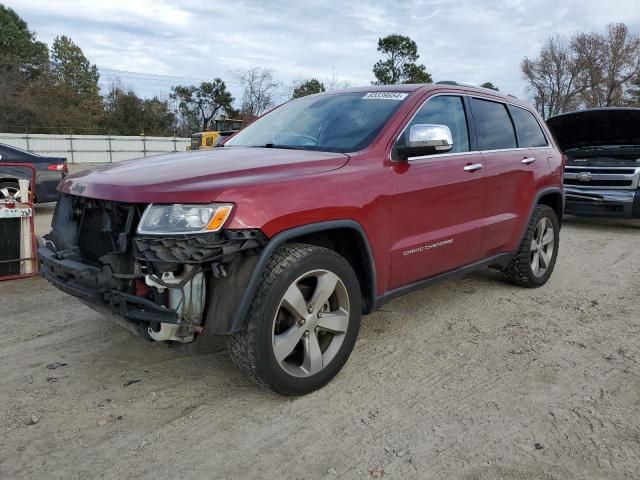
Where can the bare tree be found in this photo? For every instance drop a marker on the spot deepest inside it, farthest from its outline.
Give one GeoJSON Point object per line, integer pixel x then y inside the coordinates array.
{"type": "Point", "coordinates": [619, 63]}
{"type": "Point", "coordinates": [588, 70]}
{"type": "Point", "coordinates": [336, 82]}
{"type": "Point", "coordinates": [633, 93]}
{"type": "Point", "coordinates": [591, 48]}
{"type": "Point", "coordinates": [554, 77]}
{"type": "Point", "coordinates": [259, 89]}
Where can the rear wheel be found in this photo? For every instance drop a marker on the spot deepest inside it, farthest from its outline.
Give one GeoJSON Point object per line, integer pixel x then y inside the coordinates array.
{"type": "Point", "coordinates": [303, 322]}
{"type": "Point", "coordinates": [9, 189]}
{"type": "Point", "coordinates": [536, 257]}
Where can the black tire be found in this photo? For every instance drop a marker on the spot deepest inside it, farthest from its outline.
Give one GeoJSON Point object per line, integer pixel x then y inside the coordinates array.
{"type": "Point", "coordinates": [519, 271]}
{"type": "Point", "coordinates": [252, 348]}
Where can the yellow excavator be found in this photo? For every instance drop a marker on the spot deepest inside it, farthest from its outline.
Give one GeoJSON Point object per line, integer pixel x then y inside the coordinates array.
{"type": "Point", "coordinates": [211, 138]}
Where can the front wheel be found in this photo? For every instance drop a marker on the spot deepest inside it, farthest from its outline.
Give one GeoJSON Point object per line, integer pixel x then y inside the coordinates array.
{"type": "Point", "coordinates": [303, 321]}
{"type": "Point", "coordinates": [535, 259]}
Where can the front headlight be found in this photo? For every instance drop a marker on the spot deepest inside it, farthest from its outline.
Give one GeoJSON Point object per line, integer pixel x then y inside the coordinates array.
{"type": "Point", "coordinates": [177, 218]}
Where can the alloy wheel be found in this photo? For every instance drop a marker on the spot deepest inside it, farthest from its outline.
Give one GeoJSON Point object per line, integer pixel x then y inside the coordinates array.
{"type": "Point", "coordinates": [542, 247]}
{"type": "Point", "coordinates": [311, 322]}
{"type": "Point", "coordinates": [8, 191]}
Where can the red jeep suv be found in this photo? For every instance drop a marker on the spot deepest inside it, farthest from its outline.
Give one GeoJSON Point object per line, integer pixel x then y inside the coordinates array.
{"type": "Point", "coordinates": [317, 213]}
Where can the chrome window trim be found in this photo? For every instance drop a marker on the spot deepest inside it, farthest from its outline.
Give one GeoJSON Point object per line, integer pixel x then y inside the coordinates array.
{"type": "Point", "coordinates": [440, 155]}
{"type": "Point", "coordinates": [500, 150]}
{"type": "Point", "coordinates": [514, 149]}
{"type": "Point", "coordinates": [548, 147]}
{"type": "Point", "coordinates": [436, 156]}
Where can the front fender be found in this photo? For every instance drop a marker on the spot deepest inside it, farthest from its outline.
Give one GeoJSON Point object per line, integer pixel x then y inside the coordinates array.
{"type": "Point", "coordinates": [228, 309]}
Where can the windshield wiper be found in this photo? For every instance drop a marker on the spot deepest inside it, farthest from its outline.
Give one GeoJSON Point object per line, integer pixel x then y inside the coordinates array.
{"type": "Point", "coordinates": [285, 147]}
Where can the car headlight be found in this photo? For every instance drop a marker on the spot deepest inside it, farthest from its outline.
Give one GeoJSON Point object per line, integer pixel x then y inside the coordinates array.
{"type": "Point", "coordinates": [178, 218]}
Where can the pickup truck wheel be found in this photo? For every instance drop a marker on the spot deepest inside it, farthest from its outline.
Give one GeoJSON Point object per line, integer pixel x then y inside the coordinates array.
{"type": "Point", "coordinates": [303, 322]}
{"type": "Point", "coordinates": [534, 261]}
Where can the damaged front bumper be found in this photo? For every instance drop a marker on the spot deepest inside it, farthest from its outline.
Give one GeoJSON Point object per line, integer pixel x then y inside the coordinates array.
{"type": "Point", "coordinates": [93, 285]}
{"type": "Point", "coordinates": [166, 286]}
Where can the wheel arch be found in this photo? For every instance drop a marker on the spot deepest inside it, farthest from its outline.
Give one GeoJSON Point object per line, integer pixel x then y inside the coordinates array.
{"type": "Point", "coordinates": [352, 244]}
{"type": "Point", "coordinates": [337, 235]}
{"type": "Point", "coordinates": [552, 198]}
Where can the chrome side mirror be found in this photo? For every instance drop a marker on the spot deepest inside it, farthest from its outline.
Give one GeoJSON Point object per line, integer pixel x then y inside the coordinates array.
{"type": "Point", "coordinates": [426, 135]}
{"type": "Point", "coordinates": [426, 139]}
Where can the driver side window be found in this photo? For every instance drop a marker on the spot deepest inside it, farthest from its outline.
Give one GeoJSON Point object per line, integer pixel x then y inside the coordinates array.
{"type": "Point", "coordinates": [443, 110]}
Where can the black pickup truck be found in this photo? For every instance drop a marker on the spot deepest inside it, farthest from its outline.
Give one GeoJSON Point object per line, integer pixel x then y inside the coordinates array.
{"type": "Point", "coordinates": [602, 174]}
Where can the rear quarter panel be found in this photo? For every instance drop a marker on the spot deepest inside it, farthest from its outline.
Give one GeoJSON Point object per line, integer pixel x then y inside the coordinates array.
{"type": "Point", "coordinates": [548, 171]}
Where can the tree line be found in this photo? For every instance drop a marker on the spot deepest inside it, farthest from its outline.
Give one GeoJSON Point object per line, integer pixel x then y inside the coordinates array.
{"type": "Point", "coordinates": [57, 89]}
{"type": "Point", "coordinates": [53, 90]}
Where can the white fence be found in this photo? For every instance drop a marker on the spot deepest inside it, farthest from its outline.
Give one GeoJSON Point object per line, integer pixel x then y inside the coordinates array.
{"type": "Point", "coordinates": [94, 148]}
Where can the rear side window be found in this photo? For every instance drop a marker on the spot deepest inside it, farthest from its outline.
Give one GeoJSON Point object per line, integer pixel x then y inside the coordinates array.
{"type": "Point", "coordinates": [493, 125]}
{"type": "Point", "coordinates": [443, 110]}
{"type": "Point", "coordinates": [529, 131]}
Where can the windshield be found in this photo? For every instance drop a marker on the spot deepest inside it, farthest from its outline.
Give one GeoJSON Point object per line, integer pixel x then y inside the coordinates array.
{"type": "Point", "coordinates": [344, 122]}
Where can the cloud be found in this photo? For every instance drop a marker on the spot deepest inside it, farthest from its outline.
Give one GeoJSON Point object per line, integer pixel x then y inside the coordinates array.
{"type": "Point", "coordinates": [467, 40]}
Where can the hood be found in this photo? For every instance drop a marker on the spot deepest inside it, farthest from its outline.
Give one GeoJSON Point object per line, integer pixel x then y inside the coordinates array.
{"type": "Point", "coordinates": [197, 176]}
{"type": "Point", "coordinates": [596, 127]}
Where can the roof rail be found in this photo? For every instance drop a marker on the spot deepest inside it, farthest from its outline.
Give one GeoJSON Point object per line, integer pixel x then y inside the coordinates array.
{"type": "Point", "coordinates": [453, 82]}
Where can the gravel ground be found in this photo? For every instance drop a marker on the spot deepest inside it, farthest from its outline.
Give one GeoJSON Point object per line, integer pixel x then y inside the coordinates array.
{"type": "Point", "coordinates": [472, 379]}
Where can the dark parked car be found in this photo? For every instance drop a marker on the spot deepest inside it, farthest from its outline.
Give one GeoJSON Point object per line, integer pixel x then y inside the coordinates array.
{"type": "Point", "coordinates": [320, 211]}
{"type": "Point", "coordinates": [602, 146]}
{"type": "Point", "coordinates": [49, 172]}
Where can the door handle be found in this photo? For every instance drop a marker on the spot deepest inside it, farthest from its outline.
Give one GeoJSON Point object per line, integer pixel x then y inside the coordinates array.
{"type": "Point", "coordinates": [473, 167]}
{"type": "Point", "coordinates": [528, 160]}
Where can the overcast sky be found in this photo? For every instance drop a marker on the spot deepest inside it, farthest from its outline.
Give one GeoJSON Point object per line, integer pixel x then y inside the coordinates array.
{"type": "Point", "coordinates": [465, 40]}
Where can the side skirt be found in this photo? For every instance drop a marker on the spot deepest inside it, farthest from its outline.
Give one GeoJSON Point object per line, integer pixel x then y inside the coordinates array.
{"type": "Point", "coordinates": [499, 261]}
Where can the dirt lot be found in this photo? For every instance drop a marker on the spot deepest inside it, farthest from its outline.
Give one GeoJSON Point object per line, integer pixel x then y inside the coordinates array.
{"type": "Point", "coordinates": [471, 379]}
